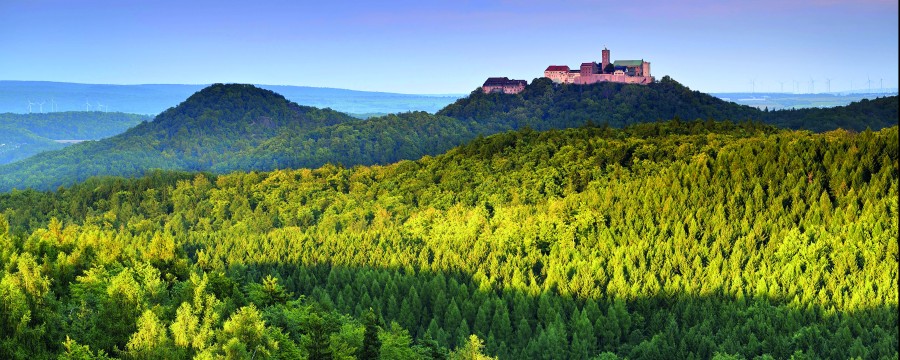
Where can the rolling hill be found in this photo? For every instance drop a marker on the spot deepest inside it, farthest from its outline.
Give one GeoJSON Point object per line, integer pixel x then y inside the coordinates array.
{"type": "Point", "coordinates": [209, 132]}
{"type": "Point", "coordinates": [546, 105]}
{"type": "Point", "coordinates": [207, 128]}
{"type": "Point", "coordinates": [17, 143]}
{"type": "Point", "coordinates": [875, 114]}
{"type": "Point", "coordinates": [23, 135]}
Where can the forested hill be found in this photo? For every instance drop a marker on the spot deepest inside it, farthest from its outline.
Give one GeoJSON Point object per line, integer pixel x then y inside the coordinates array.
{"type": "Point", "coordinates": [874, 114]}
{"type": "Point", "coordinates": [680, 239]}
{"type": "Point", "coordinates": [23, 135]}
{"type": "Point", "coordinates": [239, 127]}
{"type": "Point", "coordinates": [544, 105]}
{"type": "Point", "coordinates": [207, 128]}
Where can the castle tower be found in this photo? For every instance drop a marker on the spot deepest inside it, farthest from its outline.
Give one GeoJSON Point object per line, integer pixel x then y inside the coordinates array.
{"type": "Point", "coordinates": [605, 60]}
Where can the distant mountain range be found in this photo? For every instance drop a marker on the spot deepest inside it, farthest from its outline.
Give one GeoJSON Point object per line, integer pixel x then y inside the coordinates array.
{"type": "Point", "coordinates": [152, 99]}
{"type": "Point", "coordinates": [225, 128]}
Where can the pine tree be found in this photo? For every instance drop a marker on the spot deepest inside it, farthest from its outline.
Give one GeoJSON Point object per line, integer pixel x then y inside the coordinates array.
{"type": "Point", "coordinates": [371, 346]}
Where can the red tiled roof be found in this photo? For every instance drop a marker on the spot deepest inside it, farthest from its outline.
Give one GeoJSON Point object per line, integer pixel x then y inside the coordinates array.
{"type": "Point", "coordinates": [557, 68]}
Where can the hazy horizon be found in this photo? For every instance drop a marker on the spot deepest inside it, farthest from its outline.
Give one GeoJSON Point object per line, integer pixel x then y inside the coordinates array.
{"type": "Point", "coordinates": [446, 47]}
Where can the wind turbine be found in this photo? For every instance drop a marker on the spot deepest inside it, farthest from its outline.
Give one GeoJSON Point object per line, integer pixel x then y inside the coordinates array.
{"type": "Point", "coordinates": [812, 85]}
{"type": "Point", "coordinates": [41, 104]}
{"type": "Point", "coordinates": [869, 81]}
{"type": "Point", "coordinates": [87, 106]}
{"type": "Point", "coordinates": [99, 107]}
{"type": "Point", "coordinates": [828, 84]}
{"type": "Point", "coordinates": [52, 105]}
{"type": "Point", "coordinates": [29, 105]}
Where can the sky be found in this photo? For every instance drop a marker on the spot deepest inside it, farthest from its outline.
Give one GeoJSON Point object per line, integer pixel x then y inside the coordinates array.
{"type": "Point", "coordinates": [450, 47]}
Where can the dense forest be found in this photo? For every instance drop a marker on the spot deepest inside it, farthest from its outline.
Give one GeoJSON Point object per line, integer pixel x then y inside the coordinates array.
{"type": "Point", "coordinates": [544, 105]}
{"type": "Point", "coordinates": [677, 239]}
{"type": "Point", "coordinates": [207, 128]}
{"type": "Point", "coordinates": [226, 128]}
{"type": "Point", "coordinates": [875, 114]}
{"type": "Point", "coordinates": [23, 135]}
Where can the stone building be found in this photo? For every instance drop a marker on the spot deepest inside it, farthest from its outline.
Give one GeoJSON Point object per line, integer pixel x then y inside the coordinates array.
{"type": "Point", "coordinates": [504, 85]}
{"type": "Point", "coordinates": [622, 71]}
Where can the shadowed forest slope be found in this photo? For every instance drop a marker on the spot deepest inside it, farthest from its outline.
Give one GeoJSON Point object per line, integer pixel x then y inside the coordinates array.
{"type": "Point", "coordinates": [673, 239]}
{"type": "Point", "coordinates": [544, 105]}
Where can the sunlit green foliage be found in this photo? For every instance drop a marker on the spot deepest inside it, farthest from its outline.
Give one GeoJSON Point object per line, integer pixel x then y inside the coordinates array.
{"type": "Point", "coordinates": [676, 239]}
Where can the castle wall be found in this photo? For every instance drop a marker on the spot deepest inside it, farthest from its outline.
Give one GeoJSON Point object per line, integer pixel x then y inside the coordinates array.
{"type": "Point", "coordinates": [506, 89]}
{"type": "Point", "coordinates": [513, 89]}
{"type": "Point", "coordinates": [628, 72]}
{"type": "Point", "coordinates": [589, 68]}
{"type": "Point", "coordinates": [620, 78]}
{"type": "Point", "coordinates": [557, 76]}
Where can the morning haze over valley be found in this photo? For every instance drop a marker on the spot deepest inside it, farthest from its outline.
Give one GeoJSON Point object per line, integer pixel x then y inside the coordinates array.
{"type": "Point", "coordinates": [449, 180]}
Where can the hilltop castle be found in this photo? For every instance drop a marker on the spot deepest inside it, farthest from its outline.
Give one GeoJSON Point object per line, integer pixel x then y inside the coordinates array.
{"type": "Point", "coordinates": [620, 71]}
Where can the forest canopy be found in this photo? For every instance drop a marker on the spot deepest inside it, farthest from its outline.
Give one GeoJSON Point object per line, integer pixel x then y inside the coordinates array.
{"type": "Point", "coordinates": [685, 239]}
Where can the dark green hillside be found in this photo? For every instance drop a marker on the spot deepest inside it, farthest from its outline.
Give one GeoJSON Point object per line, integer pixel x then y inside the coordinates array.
{"type": "Point", "coordinates": [544, 105]}
{"type": "Point", "coordinates": [392, 138]}
{"type": "Point", "coordinates": [208, 128]}
{"type": "Point", "coordinates": [381, 140]}
{"type": "Point", "coordinates": [874, 114]}
{"type": "Point", "coordinates": [677, 239]}
{"type": "Point", "coordinates": [23, 135]}
{"type": "Point", "coordinates": [17, 143]}
{"type": "Point", "coordinates": [74, 125]}
{"type": "Point", "coordinates": [242, 128]}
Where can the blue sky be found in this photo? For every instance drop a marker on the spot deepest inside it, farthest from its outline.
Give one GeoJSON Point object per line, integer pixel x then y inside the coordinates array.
{"type": "Point", "coordinates": [437, 46]}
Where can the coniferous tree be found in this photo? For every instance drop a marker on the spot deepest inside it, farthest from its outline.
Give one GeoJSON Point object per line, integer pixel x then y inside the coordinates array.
{"type": "Point", "coordinates": [371, 345]}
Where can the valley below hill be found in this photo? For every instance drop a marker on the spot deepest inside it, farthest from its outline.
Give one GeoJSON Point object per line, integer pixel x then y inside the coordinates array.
{"type": "Point", "coordinates": [24, 135]}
